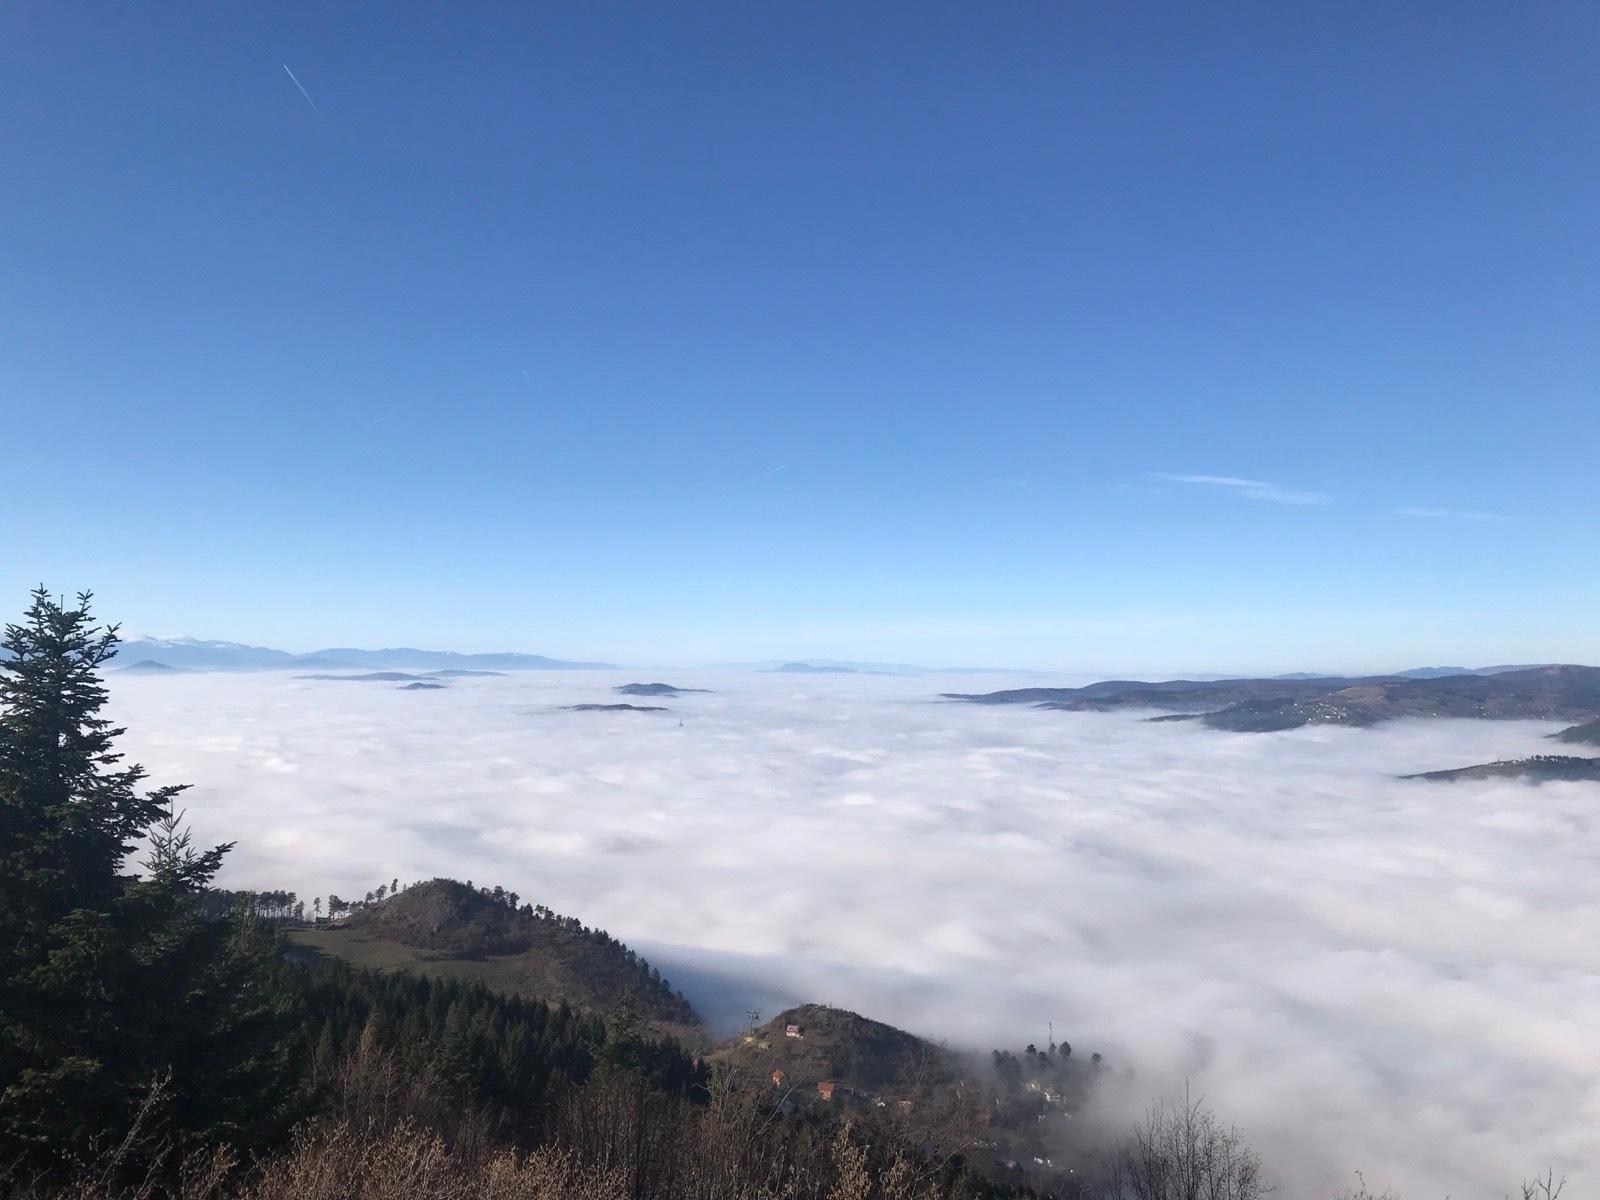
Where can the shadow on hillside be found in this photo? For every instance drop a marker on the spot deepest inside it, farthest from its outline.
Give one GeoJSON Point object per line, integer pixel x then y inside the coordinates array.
{"type": "Point", "coordinates": [725, 987]}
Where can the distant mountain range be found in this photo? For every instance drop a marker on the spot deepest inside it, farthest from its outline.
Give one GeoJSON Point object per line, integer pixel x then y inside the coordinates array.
{"type": "Point", "coordinates": [157, 656]}
{"type": "Point", "coordinates": [804, 668]}
{"type": "Point", "coordinates": [151, 655]}
{"type": "Point", "coordinates": [1554, 693]}
{"type": "Point", "coordinates": [836, 666]}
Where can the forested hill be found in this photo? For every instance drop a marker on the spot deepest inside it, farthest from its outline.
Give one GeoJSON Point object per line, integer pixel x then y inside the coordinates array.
{"type": "Point", "coordinates": [1540, 768]}
{"type": "Point", "coordinates": [833, 1043]}
{"type": "Point", "coordinates": [1587, 734]}
{"type": "Point", "coordinates": [997, 1111]}
{"type": "Point", "coordinates": [1554, 693]}
{"type": "Point", "coordinates": [443, 927]}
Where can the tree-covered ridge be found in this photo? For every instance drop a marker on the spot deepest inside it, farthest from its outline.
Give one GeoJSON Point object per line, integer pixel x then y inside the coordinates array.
{"type": "Point", "coordinates": [526, 947]}
{"type": "Point", "coordinates": [1539, 768]}
{"type": "Point", "coordinates": [504, 1050]}
{"type": "Point", "coordinates": [1550, 693]}
{"type": "Point", "coordinates": [1586, 734]}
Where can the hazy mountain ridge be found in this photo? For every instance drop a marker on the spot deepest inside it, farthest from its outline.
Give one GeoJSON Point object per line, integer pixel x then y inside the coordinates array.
{"type": "Point", "coordinates": [839, 666]}
{"type": "Point", "coordinates": [196, 654]}
{"type": "Point", "coordinates": [396, 676]}
{"type": "Point", "coordinates": [150, 666]}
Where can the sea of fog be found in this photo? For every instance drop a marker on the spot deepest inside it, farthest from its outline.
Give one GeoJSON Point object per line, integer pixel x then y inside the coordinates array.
{"type": "Point", "coordinates": [1400, 978]}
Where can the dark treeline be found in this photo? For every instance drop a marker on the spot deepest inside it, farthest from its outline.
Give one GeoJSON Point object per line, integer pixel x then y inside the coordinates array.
{"type": "Point", "coordinates": [220, 903]}
{"type": "Point", "coordinates": [507, 1052]}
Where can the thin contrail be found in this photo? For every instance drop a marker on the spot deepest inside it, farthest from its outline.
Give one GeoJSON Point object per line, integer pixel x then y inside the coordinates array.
{"type": "Point", "coordinates": [303, 91]}
{"type": "Point", "coordinates": [774, 471]}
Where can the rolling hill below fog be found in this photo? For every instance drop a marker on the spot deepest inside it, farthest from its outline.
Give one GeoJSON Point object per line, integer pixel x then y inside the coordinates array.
{"type": "Point", "coordinates": [1556, 693]}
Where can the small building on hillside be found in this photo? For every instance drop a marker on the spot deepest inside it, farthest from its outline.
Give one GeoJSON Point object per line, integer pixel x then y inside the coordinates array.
{"type": "Point", "coordinates": [825, 1089]}
{"type": "Point", "coordinates": [792, 1029]}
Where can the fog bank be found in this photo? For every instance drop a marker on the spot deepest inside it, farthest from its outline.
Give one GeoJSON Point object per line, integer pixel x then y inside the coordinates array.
{"type": "Point", "coordinates": [1366, 974]}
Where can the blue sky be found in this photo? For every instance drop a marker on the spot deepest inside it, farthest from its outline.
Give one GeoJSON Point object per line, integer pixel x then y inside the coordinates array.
{"type": "Point", "coordinates": [1254, 338]}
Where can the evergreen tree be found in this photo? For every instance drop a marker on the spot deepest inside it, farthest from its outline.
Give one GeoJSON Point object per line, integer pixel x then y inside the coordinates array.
{"type": "Point", "coordinates": [108, 982]}
{"type": "Point", "coordinates": [456, 1055]}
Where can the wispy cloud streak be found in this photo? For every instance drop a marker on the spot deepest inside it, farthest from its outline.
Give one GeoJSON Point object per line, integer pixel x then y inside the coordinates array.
{"type": "Point", "coordinates": [1249, 489]}
{"type": "Point", "coordinates": [1445, 514]}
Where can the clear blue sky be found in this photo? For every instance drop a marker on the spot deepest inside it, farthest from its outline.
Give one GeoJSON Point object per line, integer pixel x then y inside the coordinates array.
{"type": "Point", "coordinates": [503, 343]}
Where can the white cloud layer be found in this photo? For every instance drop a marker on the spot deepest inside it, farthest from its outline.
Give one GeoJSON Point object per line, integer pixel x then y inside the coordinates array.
{"type": "Point", "coordinates": [1365, 974]}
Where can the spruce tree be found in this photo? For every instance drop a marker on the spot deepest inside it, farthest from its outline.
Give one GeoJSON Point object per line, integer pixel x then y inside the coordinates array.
{"type": "Point", "coordinates": [109, 981]}
{"type": "Point", "coordinates": [69, 816]}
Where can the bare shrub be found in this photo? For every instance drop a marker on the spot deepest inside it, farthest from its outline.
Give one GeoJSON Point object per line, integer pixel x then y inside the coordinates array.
{"type": "Point", "coordinates": [1182, 1152]}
